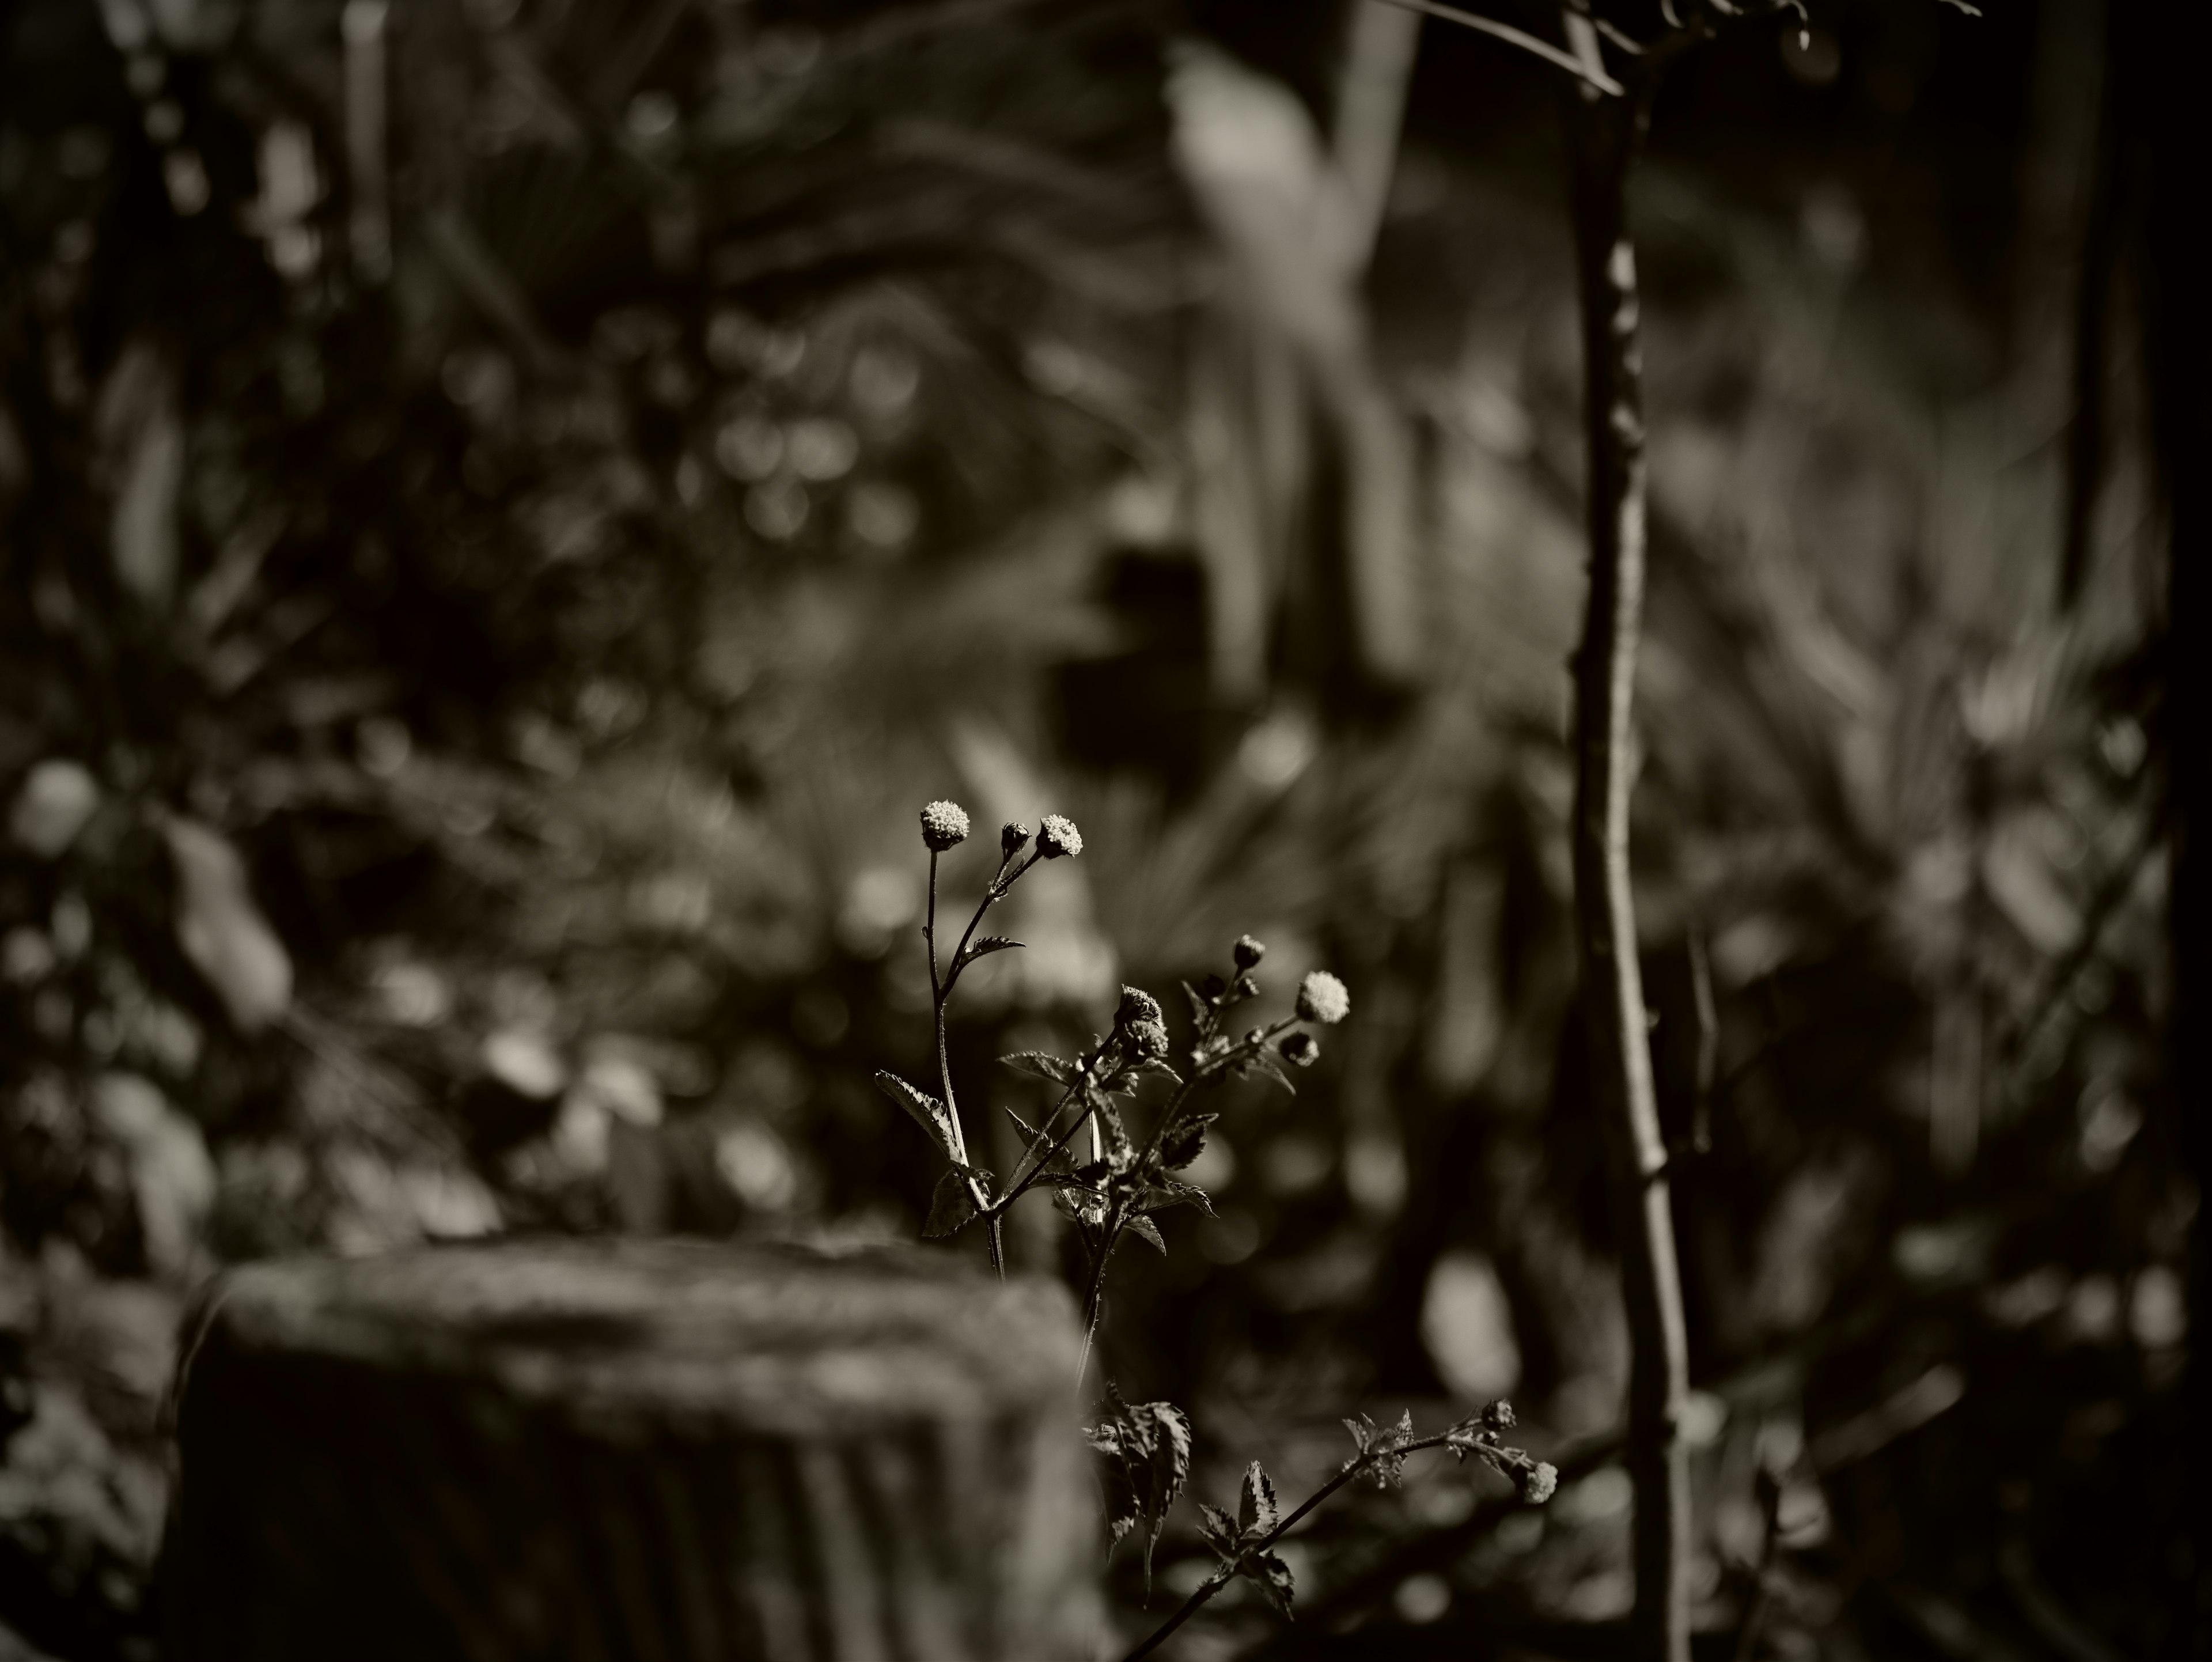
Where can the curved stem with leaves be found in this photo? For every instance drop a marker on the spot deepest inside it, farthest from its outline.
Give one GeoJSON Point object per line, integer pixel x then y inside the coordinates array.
{"type": "Point", "coordinates": [1244, 1544]}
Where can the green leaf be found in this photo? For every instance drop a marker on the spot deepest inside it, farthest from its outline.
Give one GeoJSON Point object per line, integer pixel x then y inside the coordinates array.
{"type": "Point", "coordinates": [952, 1207]}
{"type": "Point", "coordinates": [1147, 1232]}
{"type": "Point", "coordinates": [987, 944]}
{"type": "Point", "coordinates": [1272, 1577]}
{"type": "Point", "coordinates": [925, 1109]}
{"type": "Point", "coordinates": [1038, 1065]}
{"type": "Point", "coordinates": [1255, 1506]}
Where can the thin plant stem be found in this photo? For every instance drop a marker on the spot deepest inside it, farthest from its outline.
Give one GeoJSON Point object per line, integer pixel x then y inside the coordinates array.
{"type": "Point", "coordinates": [1605, 134]}
{"type": "Point", "coordinates": [1117, 1217]}
{"type": "Point", "coordinates": [1094, 1304]}
{"type": "Point", "coordinates": [940, 994]}
{"type": "Point", "coordinates": [1222, 1577]}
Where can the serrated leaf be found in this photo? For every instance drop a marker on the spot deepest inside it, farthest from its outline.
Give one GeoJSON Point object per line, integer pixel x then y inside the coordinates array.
{"type": "Point", "coordinates": [1121, 1152]}
{"type": "Point", "coordinates": [1185, 1142]}
{"type": "Point", "coordinates": [1161, 1196]}
{"type": "Point", "coordinates": [1201, 1012]}
{"type": "Point", "coordinates": [1147, 1232]}
{"type": "Point", "coordinates": [1255, 1506]}
{"type": "Point", "coordinates": [984, 947]}
{"type": "Point", "coordinates": [1076, 1202]}
{"type": "Point", "coordinates": [1263, 1061]}
{"type": "Point", "coordinates": [1038, 1065]}
{"type": "Point", "coordinates": [1363, 1431]}
{"type": "Point", "coordinates": [1059, 1180]}
{"type": "Point", "coordinates": [1272, 1577]}
{"type": "Point", "coordinates": [1219, 1529]}
{"type": "Point", "coordinates": [925, 1109]}
{"type": "Point", "coordinates": [1031, 1134]}
{"type": "Point", "coordinates": [1147, 1447]}
{"type": "Point", "coordinates": [1390, 1464]}
{"type": "Point", "coordinates": [952, 1207]}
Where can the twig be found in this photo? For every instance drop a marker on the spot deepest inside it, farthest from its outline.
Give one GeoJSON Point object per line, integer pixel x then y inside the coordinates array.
{"type": "Point", "coordinates": [1594, 77]}
{"type": "Point", "coordinates": [1444, 1547]}
{"type": "Point", "coordinates": [941, 992]}
{"type": "Point", "coordinates": [1605, 137]}
{"type": "Point", "coordinates": [1222, 1577]}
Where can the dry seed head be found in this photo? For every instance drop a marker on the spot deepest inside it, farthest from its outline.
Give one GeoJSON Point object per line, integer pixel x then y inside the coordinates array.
{"type": "Point", "coordinates": [1137, 1005]}
{"type": "Point", "coordinates": [1323, 998]}
{"type": "Point", "coordinates": [943, 825]}
{"type": "Point", "coordinates": [1058, 836]}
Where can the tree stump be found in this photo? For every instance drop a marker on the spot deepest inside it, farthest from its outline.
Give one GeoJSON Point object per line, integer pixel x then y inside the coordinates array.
{"type": "Point", "coordinates": [631, 1452]}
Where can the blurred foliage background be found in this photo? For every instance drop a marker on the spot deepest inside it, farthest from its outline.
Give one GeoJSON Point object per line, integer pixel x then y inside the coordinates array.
{"type": "Point", "coordinates": [509, 506]}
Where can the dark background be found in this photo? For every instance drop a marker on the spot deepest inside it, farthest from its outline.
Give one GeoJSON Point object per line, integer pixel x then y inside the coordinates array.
{"type": "Point", "coordinates": [492, 569]}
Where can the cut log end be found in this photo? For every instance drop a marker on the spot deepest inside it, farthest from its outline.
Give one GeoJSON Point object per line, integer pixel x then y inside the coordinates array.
{"type": "Point", "coordinates": [565, 1449]}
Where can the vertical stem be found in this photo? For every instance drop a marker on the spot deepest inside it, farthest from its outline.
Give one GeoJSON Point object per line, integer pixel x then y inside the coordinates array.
{"type": "Point", "coordinates": [1606, 132]}
{"type": "Point", "coordinates": [940, 994]}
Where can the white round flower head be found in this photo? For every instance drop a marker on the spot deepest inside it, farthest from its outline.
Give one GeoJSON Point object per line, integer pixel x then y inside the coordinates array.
{"type": "Point", "coordinates": [1058, 836]}
{"type": "Point", "coordinates": [943, 824]}
{"type": "Point", "coordinates": [1323, 998]}
{"type": "Point", "coordinates": [1540, 1484]}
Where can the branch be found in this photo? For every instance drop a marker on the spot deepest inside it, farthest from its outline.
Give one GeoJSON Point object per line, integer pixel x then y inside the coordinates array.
{"type": "Point", "coordinates": [1513, 37]}
{"type": "Point", "coordinates": [1223, 1576]}
{"type": "Point", "coordinates": [1604, 137]}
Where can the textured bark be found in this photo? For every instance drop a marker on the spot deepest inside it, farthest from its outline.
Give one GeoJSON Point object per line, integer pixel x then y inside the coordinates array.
{"type": "Point", "coordinates": [1606, 132]}
{"type": "Point", "coordinates": [648, 1450]}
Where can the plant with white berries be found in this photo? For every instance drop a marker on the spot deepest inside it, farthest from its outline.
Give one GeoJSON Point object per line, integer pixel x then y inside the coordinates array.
{"type": "Point", "coordinates": [1115, 1190]}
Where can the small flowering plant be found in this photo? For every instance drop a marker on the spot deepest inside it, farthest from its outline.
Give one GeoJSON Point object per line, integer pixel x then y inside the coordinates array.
{"type": "Point", "coordinates": [1114, 1187]}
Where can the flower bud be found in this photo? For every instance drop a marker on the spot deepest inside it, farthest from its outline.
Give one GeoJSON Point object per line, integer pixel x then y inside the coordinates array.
{"type": "Point", "coordinates": [1499, 1417]}
{"type": "Point", "coordinates": [1137, 1005]}
{"type": "Point", "coordinates": [1213, 987]}
{"type": "Point", "coordinates": [1247, 987]}
{"type": "Point", "coordinates": [1537, 1485]}
{"type": "Point", "coordinates": [1249, 953]}
{"type": "Point", "coordinates": [1011, 836]}
{"type": "Point", "coordinates": [1148, 1039]}
{"type": "Point", "coordinates": [1300, 1049]}
{"type": "Point", "coordinates": [943, 825]}
{"type": "Point", "coordinates": [1323, 998]}
{"type": "Point", "coordinates": [1058, 836]}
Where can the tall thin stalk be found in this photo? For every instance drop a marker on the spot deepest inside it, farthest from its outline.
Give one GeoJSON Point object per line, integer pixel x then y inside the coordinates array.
{"type": "Point", "coordinates": [1605, 134]}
